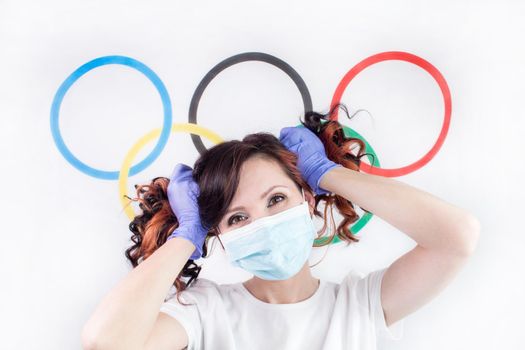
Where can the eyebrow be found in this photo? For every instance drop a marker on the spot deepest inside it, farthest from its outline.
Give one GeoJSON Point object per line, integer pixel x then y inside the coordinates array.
{"type": "Point", "coordinates": [262, 196]}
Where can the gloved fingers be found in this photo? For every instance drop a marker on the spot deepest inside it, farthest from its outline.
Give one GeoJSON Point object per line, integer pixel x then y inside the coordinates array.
{"type": "Point", "coordinates": [180, 171]}
{"type": "Point", "coordinates": [290, 136]}
{"type": "Point", "coordinates": [194, 189]}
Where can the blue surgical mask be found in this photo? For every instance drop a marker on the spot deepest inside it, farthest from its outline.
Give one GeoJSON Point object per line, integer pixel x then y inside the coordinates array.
{"type": "Point", "coordinates": [273, 247]}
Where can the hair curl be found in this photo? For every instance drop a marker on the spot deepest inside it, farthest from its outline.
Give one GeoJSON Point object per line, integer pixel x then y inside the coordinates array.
{"type": "Point", "coordinates": [217, 173]}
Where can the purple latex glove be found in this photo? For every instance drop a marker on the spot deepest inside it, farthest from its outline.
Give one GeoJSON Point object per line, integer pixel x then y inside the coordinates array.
{"type": "Point", "coordinates": [182, 195]}
{"type": "Point", "coordinates": [311, 155]}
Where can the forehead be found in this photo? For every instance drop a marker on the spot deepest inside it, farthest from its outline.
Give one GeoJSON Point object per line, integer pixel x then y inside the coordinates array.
{"type": "Point", "coordinates": [258, 174]}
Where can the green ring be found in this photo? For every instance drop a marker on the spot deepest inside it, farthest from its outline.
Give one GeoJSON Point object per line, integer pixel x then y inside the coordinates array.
{"type": "Point", "coordinates": [359, 224]}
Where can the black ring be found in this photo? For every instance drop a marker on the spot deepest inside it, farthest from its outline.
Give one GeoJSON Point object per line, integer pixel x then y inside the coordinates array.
{"type": "Point", "coordinates": [243, 57]}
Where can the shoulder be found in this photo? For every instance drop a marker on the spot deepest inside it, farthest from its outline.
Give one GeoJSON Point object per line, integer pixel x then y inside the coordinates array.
{"type": "Point", "coordinates": [363, 290]}
{"type": "Point", "coordinates": [190, 306]}
{"type": "Point", "coordinates": [200, 290]}
{"type": "Point", "coordinates": [362, 284]}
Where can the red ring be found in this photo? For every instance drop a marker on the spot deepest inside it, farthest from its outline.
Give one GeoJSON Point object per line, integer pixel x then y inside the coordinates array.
{"type": "Point", "coordinates": [433, 71]}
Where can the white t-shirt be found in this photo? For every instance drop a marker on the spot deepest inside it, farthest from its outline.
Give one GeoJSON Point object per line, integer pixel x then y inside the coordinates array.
{"type": "Point", "coordinates": [337, 316]}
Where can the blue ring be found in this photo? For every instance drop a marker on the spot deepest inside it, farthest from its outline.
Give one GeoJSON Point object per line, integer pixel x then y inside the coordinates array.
{"type": "Point", "coordinates": [97, 62]}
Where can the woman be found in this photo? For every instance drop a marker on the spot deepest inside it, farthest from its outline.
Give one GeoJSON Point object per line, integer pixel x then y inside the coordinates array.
{"type": "Point", "coordinates": [257, 197]}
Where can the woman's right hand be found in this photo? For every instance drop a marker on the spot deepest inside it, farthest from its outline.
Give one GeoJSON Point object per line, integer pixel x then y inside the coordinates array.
{"type": "Point", "coordinates": [182, 195]}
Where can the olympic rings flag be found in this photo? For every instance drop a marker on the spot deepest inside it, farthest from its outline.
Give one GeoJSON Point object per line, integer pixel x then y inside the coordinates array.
{"type": "Point", "coordinates": [162, 134]}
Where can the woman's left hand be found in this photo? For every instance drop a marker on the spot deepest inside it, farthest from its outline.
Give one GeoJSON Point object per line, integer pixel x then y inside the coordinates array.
{"type": "Point", "coordinates": [311, 155]}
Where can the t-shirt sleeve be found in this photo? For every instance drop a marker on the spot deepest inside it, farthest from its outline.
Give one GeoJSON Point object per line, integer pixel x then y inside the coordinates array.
{"type": "Point", "coordinates": [371, 285]}
{"type": "Point", "coordinates": [187, 315]}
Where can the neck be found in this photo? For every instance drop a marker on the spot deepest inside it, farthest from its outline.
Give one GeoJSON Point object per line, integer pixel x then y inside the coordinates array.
{"type": "Point", "coordinates": [293, 290]}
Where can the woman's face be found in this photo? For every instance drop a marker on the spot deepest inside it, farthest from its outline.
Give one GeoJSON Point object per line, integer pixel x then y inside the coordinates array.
{"type": "Point", "coordinates": [264, 189]}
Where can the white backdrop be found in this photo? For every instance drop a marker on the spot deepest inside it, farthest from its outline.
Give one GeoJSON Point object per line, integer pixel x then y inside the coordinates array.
{"type": "Point", "coordinates": [64, 232]}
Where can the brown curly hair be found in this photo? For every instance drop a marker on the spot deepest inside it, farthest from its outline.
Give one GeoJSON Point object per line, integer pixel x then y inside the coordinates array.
{"type": "Point", "coordinates": [217, 174]}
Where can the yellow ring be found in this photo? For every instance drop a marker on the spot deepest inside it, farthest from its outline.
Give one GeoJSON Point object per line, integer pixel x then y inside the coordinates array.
{"type": "Point", "coordinates": [153, 135]}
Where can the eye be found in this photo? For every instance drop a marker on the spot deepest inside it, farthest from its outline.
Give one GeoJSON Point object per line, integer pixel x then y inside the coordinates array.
{"type": "Point", "coordinates": [278, 196]}
{"type": "Point", "coordinates": [232, 220]}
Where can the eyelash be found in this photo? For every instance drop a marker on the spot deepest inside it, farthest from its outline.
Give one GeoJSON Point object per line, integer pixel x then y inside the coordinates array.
{"type": "Point", "coordinates": [230, 220]}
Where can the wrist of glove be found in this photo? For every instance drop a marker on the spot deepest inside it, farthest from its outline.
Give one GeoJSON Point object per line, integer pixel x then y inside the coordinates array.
{"type": "Point", "coordinates": [314, 168]}
{"type": "Point", "coordinates": [194, 233]}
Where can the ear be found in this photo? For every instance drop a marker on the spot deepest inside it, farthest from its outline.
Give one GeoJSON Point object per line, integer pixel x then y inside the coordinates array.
{"type": "Point", "coordinates": [311, 201]}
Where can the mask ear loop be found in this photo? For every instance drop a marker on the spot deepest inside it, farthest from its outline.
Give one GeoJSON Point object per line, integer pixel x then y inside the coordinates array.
{"type": "Point", "coordinates": [217, 235]}
{"type": "Point", "coordinates": [332, 221]}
